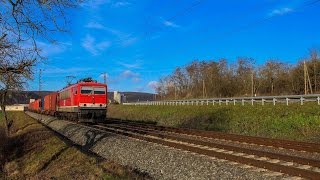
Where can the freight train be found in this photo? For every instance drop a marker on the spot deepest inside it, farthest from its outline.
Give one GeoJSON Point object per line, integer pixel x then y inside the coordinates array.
{"type": "Point", "coordinates": [85, 101]}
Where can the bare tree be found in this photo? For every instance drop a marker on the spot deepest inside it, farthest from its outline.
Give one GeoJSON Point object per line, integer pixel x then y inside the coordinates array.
{"type": "Point", "coordinates": [15, 67]}
{"type": "Point", "coordinates": [23, 23]}
{"type": "Point", "coordinates": [241, 78]}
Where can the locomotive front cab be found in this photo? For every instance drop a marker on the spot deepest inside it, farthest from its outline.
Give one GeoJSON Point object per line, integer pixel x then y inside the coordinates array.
{"type": "Point", "coordinates": [92, 102]}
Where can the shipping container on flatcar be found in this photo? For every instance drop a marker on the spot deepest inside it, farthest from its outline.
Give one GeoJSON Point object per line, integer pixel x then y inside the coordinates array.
{"type": "Point", "coordinates": [50, 102]}
{"type": "Point", "coordinates": [30, 106]}
{"type": "Point", "coordinates": [36, 105]}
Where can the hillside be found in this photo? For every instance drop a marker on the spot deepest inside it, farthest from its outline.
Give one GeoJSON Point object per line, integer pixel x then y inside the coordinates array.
{"type": "Point", "coordinates": [23, 97]}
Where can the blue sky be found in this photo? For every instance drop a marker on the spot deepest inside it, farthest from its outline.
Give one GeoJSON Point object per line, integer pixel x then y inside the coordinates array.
{"type": "Point", "coordinates": [138, 41]}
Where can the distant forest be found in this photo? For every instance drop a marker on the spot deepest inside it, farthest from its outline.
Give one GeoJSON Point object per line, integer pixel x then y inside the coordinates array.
{"type": "Point", "coordinates": [206, 79]}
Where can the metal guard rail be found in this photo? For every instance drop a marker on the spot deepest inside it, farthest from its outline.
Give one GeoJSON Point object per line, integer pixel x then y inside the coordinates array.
{"type": "Point", "coordinates": [233, 100]}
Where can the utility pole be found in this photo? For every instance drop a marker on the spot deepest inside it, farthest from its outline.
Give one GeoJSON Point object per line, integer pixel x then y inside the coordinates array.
{"type": "Point", "coordinates": [40, 82]}
{"type": "Point", "coordinates": [104, 78]}
{"type": "Point", "coordinates": [40, 88]}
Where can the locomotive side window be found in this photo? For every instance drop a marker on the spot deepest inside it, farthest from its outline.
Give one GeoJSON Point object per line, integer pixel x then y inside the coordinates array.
{"type": "Point", "coordinates": [86, 90]}
{"type": "Point", "coordinates": [99, 90]}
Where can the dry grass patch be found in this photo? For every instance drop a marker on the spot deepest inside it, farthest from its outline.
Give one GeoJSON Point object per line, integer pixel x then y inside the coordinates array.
{"type": "Point", "coordinates": [34, 152]}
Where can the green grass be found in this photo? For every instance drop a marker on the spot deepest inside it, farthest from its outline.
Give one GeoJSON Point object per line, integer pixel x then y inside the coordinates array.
{"type": "Point", "coordinates": [35, 152]}
{"type": "Point", "coordinates": [293, 122]}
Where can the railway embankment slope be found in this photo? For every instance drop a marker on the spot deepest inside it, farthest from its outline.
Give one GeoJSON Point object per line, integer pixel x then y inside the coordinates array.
{"type": "Point", "coordinates": [293, 122]}
{"type": "Point", "coordinates": [35, 152]}
{"type": "Point", "coordinates": [154, 160]}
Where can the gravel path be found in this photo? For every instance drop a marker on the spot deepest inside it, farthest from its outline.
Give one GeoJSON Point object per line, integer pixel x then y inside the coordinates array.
{"type": "Point", "coordinates": [158, 161]}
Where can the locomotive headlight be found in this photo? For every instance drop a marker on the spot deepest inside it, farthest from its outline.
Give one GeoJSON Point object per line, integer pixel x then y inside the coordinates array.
{"type": "Point", "coordinates": [85, 105]}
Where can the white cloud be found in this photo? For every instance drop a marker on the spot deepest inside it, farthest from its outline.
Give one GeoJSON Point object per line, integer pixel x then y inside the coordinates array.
{"type": "Point", "coordinates": [55, 70]}
{"type": "Point", "coordinates": [103, 45]}
{"type": "Point", "coordinates": [153, 84]}
{"type": "Point", "coordinates": [170, 24]}
{"type": "Point", "coordinates": [95, 25]}
{"type": "Point", "coordinates": [49, 49]}
{"type": "Point", "coordinates": [121, 4]}
{"type": "Point", "coordinates": [129, 74]}
{"type": "Point", "coordinates": [135, 65]}
{"type": "Point", "coordinates": [95, 48]}
{"type": "Point", "coordinates": [94, 3]}
{"type": "Point", "coordinates": [129, 41]}
{"type": "Point", "coordinates": [281, 11]}
{"type": "Point", "coordinates": [124, 39]}
{"type": "Point", "coordinates": [136, 79]}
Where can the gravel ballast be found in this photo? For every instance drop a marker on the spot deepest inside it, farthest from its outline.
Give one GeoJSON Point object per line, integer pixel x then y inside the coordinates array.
{"type": "Point", "coordinates": [158, 161]}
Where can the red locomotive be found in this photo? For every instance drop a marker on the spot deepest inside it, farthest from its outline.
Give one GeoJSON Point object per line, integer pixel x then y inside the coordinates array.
{"type": "Point", "coordinates": [85, 101]}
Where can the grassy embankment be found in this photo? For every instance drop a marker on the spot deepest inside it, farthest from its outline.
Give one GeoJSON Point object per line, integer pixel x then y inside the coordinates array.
{"type": "Point", "coordinates": [34, 152]}
{"type": "Point", "coordinates": [293, 122]}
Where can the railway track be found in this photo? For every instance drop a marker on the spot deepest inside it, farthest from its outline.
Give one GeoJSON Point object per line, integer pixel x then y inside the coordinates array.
{"type": "Point", "coordinates": [205, 143]}
{"type": "Point", "coordinates": [294, 145]}
{"type": "Point", "coordinates": [226, 146]}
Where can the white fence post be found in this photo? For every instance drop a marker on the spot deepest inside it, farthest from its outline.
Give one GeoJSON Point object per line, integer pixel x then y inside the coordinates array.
{"type": "Point", "coordinates": [274, 101]}
{"type": "Point", "coordinates": [301, 101]}
{"type": "Point", "coordinates": [287, 101]}
{"type": "Point", "coordinates": [242, 102]}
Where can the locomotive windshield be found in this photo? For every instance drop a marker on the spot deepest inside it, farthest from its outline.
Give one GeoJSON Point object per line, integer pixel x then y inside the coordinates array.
{"type": "Point", "coordinates": [86, 90]}
{"type": "Point", "coordinates": [99, 90]}
{"type": "Point", "coordinates": [93, 90]}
